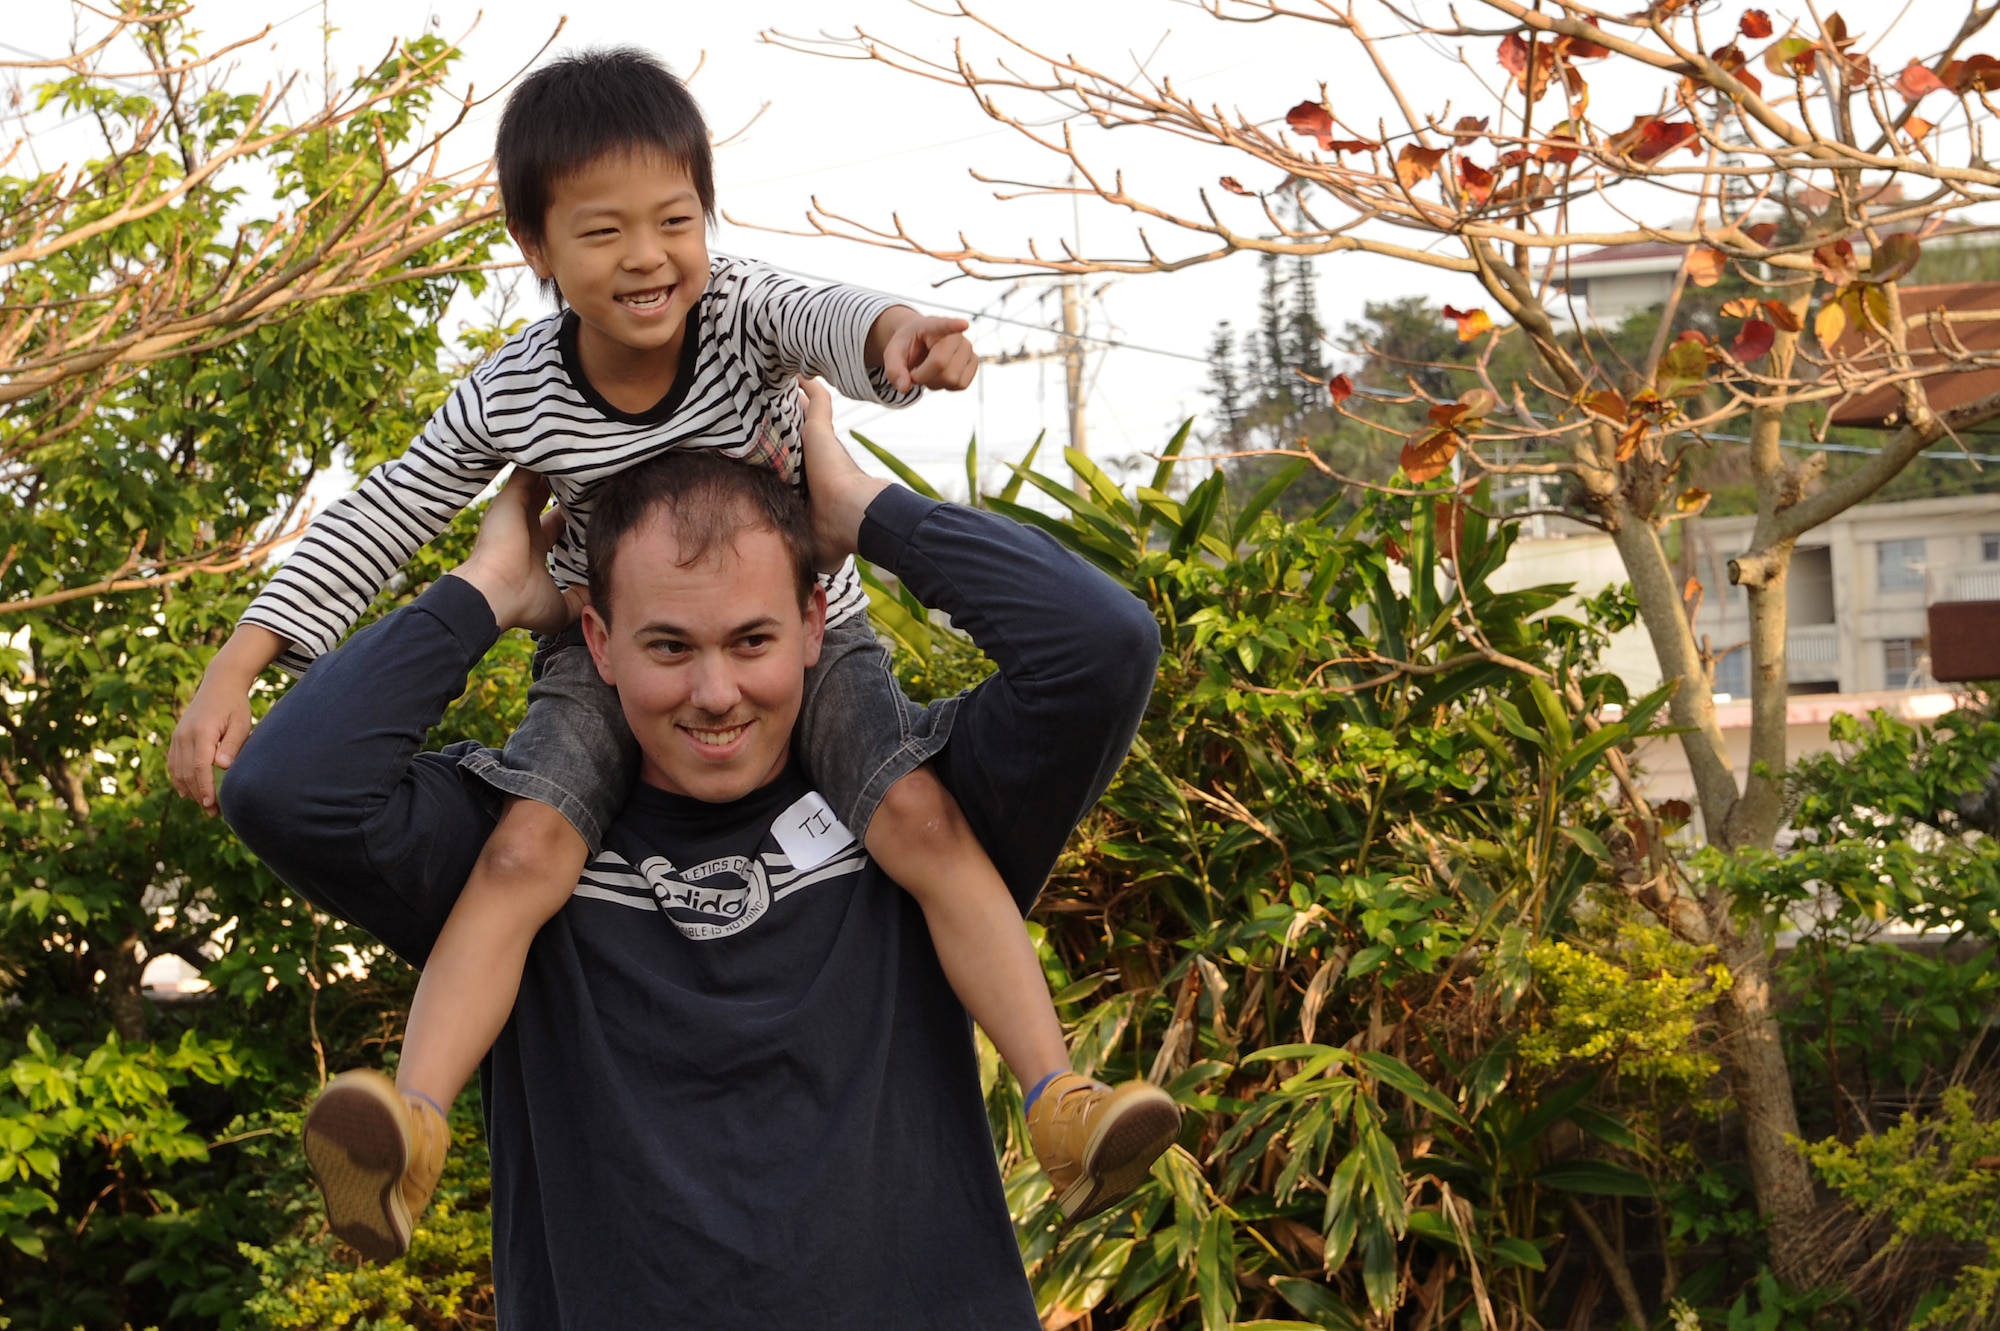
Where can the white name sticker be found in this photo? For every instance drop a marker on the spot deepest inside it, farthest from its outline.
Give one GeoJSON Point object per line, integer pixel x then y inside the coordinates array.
{"type": "Point", "coordinates": [809, 834]}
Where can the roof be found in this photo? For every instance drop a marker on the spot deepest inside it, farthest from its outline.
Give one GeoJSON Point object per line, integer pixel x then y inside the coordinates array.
{"type": "Point", "coordinates": [1882, 408]}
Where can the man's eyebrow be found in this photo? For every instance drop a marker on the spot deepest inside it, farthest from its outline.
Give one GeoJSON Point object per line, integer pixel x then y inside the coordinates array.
{"type": "Point", "coordinates": [660, 628]}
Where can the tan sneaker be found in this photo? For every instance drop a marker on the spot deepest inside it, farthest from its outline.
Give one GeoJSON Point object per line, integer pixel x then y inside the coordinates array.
{"type": "Point", "coordinates": [377, 1155]}
{"type": "Point", "coordinates": [1095, 1143]}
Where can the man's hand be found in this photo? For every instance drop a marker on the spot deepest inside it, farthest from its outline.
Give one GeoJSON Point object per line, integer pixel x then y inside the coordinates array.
{"type": "Point", "coordinates": [924, 351]}
{"type": "Point", "coordinates": [509, 561]}
{"type": "Point", "coordinates": [840, 491]}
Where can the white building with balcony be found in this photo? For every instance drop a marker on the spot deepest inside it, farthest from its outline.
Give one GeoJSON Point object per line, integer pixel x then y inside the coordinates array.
{"type": "Point", "coordinates": [1859, 591]}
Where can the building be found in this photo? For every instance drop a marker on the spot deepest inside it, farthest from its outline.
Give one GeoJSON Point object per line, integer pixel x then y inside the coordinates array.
{"type": "Point", "coordinates": [1856, 637]}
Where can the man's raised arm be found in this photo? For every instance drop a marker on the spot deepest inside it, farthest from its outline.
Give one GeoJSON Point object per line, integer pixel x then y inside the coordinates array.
{"type": "Point", "coordinates": [332, 791]}
{"type": "Point", "coordinates": [1034, 746]}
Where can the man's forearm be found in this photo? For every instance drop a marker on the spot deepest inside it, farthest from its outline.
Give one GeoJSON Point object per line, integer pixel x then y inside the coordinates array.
{"type": "Point", "coordinates": [1034, 746]}
{"type": "Point", "coordinates": [333, 793]}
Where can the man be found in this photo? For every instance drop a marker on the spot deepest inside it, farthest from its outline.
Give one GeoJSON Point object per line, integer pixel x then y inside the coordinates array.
{"type": "Point", "coordinates": [736, 1090]}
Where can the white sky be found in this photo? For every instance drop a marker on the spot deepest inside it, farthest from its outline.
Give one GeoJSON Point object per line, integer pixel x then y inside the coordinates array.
{"type": "Point", "coordinates": [869, 142]}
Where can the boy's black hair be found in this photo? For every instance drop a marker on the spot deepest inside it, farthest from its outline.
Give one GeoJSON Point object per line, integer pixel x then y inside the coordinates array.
{"type": "Point", "coordinates": [584, 105]}
{"type": "Point", "coordinates": [707, 501]}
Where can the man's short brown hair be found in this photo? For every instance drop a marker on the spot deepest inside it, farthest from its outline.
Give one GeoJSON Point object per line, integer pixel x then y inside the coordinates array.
{"type": "Point", "coordinates": [707, 501]}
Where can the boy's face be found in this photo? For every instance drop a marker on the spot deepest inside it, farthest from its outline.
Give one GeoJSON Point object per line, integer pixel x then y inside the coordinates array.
{"type": "Point", "coordinates": [709, 660]}
{"type": "Point", "coordinates": [625, 240]}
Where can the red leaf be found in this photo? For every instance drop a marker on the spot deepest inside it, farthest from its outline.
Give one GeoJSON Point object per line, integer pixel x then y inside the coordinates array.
{"type": "Point", "coordinates": [1476, 182]}
{"type": "Point", "coordinates": [1763, 233]}
{"type": "Point", "coordinates": [1608, 403]}
{"type": "Point", "coordinates": [1836, 262]}
{"type": "Point", "coordinates": [1579, 48]}
{"type": "Point", "coordinates": [1734, 62]}
{"type": "Point", "coordinates": [1979, 73]}
{"type": "Point", "coordinates": [1781, 314]}
{"type": "Point", "coordinates": [1427, 455]}
{"type": "Point", "coordinates": [1233, 185]}
{"type": "Point", "coordinates": [1471, 323]}
{"type": "Point", "coordinates": [1916, 80]}
{"type": "Point", "coordinates": [1530, 63]}
{"type": "Point", "coordinates": [1448, 520]}
{"type": "Point", "coordinates": [1340, 388]}
{"type": "Point", "coordinates": [1314, 121]}
{"type": "Point", "coordinates": [1416, 164]}
{"type": "Point", "coordinates": [1755, 24]}
{"type": "Point", "coordinates": [1468, 128]}
{"type": "Point", "coordinates": [1753, 342]}
{"type": "Point", "coordinates": [1660, 137]}
{"type": "Point", "coordinates": [1394, 551]}
{"type": "Point", "coordinates": [1550, 152]}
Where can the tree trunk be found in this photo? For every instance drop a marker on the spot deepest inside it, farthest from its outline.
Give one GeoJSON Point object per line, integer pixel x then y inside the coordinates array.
{"type": "Point", "coordinates": [1762, 1083]}
{"type": "Point", "coordinates": [123, 998]}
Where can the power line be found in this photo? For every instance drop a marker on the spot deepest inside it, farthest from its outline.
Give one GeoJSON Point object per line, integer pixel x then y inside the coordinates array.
{"type": "Point", "coordinates": [1001, 318]}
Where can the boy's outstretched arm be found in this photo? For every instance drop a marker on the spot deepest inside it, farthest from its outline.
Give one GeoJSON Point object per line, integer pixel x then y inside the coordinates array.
{"type": "Point", "coordinates": [921, 350]}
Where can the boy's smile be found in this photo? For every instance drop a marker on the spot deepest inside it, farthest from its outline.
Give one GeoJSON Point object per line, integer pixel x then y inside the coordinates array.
{"type": "Point", "coordinates": [625, 242]}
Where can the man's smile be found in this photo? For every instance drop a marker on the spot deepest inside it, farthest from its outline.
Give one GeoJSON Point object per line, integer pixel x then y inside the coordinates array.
{"type": "Point", "coordinates": [716, 739]}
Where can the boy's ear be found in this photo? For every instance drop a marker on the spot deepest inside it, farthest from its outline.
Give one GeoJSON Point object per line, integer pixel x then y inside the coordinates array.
{"type": "Point", "coordinates": [532, 251]}
{"type": "Point", "coordinates": [597, 637]}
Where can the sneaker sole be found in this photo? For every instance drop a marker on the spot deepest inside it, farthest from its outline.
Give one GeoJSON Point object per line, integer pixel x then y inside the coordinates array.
{"type": "Point", "coordinates": [354, 1141]}
{"type": "Point", "coordinates": [1121, 1157]}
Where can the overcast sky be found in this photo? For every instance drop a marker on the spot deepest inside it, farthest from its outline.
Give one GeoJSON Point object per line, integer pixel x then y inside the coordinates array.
{"type": "Point", "coordinates": [871, 143]}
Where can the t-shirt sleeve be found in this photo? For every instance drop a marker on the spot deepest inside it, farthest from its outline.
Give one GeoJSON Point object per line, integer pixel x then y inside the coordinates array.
{"type": "Point", "coordinates": [350, 551]}
{"type": "Point", "coordinates": [793, 327]}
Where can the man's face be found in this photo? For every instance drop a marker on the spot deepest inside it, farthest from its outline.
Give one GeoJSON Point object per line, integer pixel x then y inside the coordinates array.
{"type": "Point", "coordinates": [709, 660]}
{"type": "Point", "coordinates": [624, 239]}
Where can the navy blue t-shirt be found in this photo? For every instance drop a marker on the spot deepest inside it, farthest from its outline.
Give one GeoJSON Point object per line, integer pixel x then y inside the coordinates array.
{"type": "Point", "coordinates": [760, 1071]}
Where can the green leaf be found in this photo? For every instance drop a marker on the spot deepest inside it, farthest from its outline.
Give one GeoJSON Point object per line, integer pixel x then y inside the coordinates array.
{"type": "Point", "coordinates": [895, 464]}
{"type": "Point", "coordinates": [1394, 1072]}
{"type": "Point", "coordinates": [1518, 1252]}
{"type": "Point", "coordinates": [1215, 1272]}
{"type": "Point", "coordinates": [1596, 1178]}
{"type": "Point", "coordinates": [1266, 495]}
{"type": "Point", "coordinates": [1170, 455]}
{"type": "Point", "coordinates": [1109, 496]}
{"type": "Point", "coordinates": [1316, 1301]}
{"type": "Point", "coordinates": [1011, 492]}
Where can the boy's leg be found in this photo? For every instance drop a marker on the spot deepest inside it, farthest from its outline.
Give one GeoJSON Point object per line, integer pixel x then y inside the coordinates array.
{"type": "Point", "coordinates": [524, 875]}
{"type": "Point", "coordinates": [865, 743]}
{"type": "Point", "coordinates": [1095, 1142]}
{"type": "Point", "coordinates": [378, 1148]}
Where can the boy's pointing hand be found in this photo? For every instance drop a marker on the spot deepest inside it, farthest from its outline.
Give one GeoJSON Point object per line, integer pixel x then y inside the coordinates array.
{"type": "Point", "coordinates": [929, 351]}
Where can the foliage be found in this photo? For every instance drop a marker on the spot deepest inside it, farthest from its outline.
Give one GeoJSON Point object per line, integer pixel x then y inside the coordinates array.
{"type": "Point", "coordinates": [128, 1183]}
{"type": "Point", "coordinates": [1484, 144]}
{"type": "Point", "coordinates": [1633, 1009]}
{"type": "Point", "coordinates": [1933, 1177]}
{"type": "Point", "coordinates": [306, 1280]}
{"type": "Point", "coordinates": [1368, 800]}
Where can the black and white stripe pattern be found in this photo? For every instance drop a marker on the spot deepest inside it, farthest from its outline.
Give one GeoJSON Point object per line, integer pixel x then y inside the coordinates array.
{"type": "Point", "coordinates": [758, 330]}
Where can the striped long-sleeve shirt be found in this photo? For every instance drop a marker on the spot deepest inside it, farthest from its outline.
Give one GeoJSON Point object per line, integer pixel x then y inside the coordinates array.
{"type": "Point", "coordinates": [751, 334]}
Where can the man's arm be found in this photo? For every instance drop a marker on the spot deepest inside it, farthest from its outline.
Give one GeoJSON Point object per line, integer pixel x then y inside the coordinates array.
{"type": "Point", "coordinates": [332, 791]}
{"type": "Point", "coordinates": [1034, 746]}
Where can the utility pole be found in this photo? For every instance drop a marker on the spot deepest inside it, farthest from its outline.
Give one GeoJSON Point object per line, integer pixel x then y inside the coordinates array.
{"type": "Point", "coordinates": [1072, 355]}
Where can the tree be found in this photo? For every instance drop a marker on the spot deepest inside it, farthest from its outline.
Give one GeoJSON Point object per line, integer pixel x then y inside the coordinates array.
{"type": "Point", "coordinates": [194, 325]}
{"type": "Point", "coordinates": [1776, 149]}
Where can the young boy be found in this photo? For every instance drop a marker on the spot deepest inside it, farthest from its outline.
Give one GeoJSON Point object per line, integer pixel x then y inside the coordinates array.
{"type": "Point", "coordinates": [606, 180]}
